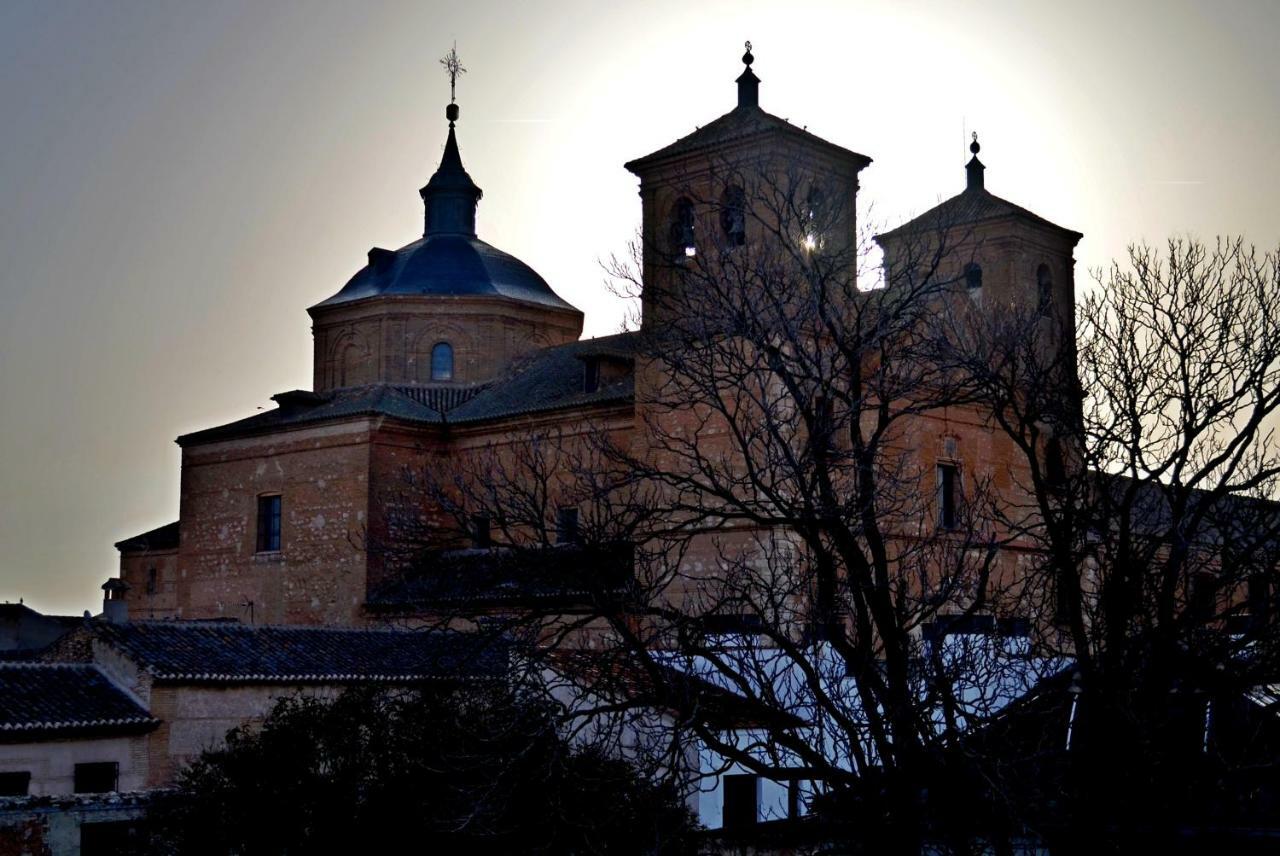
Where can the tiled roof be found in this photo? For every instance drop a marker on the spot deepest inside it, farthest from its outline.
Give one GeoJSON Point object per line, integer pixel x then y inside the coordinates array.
{"type": "Point", "coordinates": [614, 675]}
{"type": "Point", "coordinates": [739, 124]}
{"type": "Point", "coordinates": [559, 576]}
{"type": "Point", "coordinates": [549, 379]}
{"type": "Point", "coordinates": [974, 205]}
{"type": "Point", "coordinates": [43, 699]}
{"type": "Point", "coordinates": [227, 652]}
{"type": "Point", "coordinates": [162, 538]}
{"type": "Point", "coordinates": [377, 400]}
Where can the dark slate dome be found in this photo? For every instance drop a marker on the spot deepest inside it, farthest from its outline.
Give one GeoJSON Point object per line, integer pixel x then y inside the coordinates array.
{"type": "Point", "coordinates": [448, 265]}
{"type": "Point", "coordinates": [449, 260]}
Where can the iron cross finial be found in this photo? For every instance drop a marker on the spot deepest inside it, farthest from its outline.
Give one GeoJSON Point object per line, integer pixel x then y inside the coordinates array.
{"type": "Point", "coordinates": [453, 67]}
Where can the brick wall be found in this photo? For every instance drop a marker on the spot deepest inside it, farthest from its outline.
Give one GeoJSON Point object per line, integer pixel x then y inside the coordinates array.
{"type": "Point", "coordinates": [318, 575]}
{"type": "Point", "coordinates": [389, 339]}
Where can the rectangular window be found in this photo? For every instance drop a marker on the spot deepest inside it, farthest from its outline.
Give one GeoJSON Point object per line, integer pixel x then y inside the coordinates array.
{"type": "Point", "coordinates": [481, 536]}
{"type": "Point", "coordinates": [15, 784]}
{"type": "Point", "coordinates": [591, 375]}
{"type": "Point", "coordinates": [1202, 597]}
{"type": "Point", "coordinates": [269, 523]}
{"type": "Point", "coordinates": [948, 496]}
{"type": "Point", "coordinates": [152, 578]}
{"type": "Point", "coordinates": [113, 836]}
{"type": "Point", "coordinates": [741, 801]}
{"type": "Point", "coordinates": [99, 777]}
{"type": "Point", "coordinates": [567, 526]}
{"type": "Point", "coordinates": [1259, 599]}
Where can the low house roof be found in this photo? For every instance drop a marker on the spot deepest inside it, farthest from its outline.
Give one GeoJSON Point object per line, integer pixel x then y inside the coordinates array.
{"type": "Point", "coordinates": [42, 700]}
{"type": "Point", "coordinates": [228, 652]}
{"type": "Point", "coordinates": [613, 674]}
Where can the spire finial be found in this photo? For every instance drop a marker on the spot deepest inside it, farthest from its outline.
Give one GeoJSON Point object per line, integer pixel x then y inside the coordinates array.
{"type": "Point", "coordinates": [974, 167]}
{"type": "Point", "coordinates": [748, 83]}
{"type": "Point", "coordinates": [453, 67]}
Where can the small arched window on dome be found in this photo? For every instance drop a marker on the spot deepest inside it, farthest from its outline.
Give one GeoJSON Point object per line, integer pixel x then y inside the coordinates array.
{"type": "Point", "coordinates": [1044, 290]}
{"type": "Point", "coordinates": [442, 361]}
{"type": "Point", "coordinates": [683, 234]}
{"type": "Point", "coordinates": [733, 216]}
{"type": "Point", "coordinates": [973, 276]}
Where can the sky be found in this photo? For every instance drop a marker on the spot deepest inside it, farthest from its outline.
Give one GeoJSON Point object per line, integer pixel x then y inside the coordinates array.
{"type": "Point", "coordinates": [180, 180]}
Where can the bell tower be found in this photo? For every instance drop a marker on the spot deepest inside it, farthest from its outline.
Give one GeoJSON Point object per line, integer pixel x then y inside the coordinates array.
{"type": "Point", "coordinates": [733, 190]}
{"type": "Point", "coordinates": [1005, 257]}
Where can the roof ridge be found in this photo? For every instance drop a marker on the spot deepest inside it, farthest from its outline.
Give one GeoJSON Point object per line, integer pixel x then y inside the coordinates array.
{"type": "Point", "coordinates": [236, 625]}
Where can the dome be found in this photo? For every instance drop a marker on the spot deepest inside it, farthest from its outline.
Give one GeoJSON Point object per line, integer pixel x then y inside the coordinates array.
{"type": "Point", "coordinates": [448, 265]}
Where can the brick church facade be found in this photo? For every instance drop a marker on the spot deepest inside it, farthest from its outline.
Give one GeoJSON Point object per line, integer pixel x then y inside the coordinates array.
{"type": "Point", "coordinates": [276, 577]}
{"type": "Point", "coordinates": [448, 345]}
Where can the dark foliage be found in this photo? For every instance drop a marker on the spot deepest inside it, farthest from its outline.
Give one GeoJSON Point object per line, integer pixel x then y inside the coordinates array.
{"type": "Point", "coordinates": [474, 772]}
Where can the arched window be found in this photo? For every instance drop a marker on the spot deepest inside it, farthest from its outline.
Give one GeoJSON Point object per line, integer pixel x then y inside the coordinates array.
{"type": "Point", "coordinates": [973, 275]}
{"type": "Point", "coordinates": [813, 217]}
{"type": "Point", "coordinates": [442, 361]}
{"type": "Point", "coordinates": [733, 216]}
{"type": "Point", "coordinates": [682, 229]}
{"type": "Point", "coordinates": [1044, 289]}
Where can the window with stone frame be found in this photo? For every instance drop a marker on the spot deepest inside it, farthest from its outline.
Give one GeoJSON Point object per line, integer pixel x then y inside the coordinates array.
{"type": "Point", "coordinates": [949, 495]}
{"type": "Point", "coordinates": [1044, 290]}
{"type": "Point", "coordinates": [269, 515]}
{"type": "Point", "coordinates": [973, 276]}
{"type": "Point", "coordinates": [733, 216]}
{"type": "Point", "coordinates": [567, 531]}
{"type": "Point", "coordinates": [442, 361]}
{"type": "Point", "coordinates": [481, 532]}
{"type": "Point", "coordinates": [683, 230]}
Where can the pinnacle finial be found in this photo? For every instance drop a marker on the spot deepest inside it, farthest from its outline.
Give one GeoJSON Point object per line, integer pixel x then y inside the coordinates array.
{"type": "Point", "coordinates": [974, 168]}
{"type": "Point", "coordinates": [452, 67]}
{"type": "Point", "coordinates": [748, 83]}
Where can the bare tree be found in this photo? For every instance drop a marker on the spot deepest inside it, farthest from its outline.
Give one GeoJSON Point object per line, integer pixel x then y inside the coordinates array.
{"type": "Point", "coordinates": [1151, 507]}
{"type": "Point", "coordinates": [791, 537]}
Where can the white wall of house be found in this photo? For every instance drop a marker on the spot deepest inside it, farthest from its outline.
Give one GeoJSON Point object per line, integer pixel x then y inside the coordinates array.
{"type": "Point", "coordinates": [52, 763]}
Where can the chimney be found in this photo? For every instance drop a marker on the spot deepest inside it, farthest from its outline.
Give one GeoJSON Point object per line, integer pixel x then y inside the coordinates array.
{"type": "Point", "coordinates": [114, 607]}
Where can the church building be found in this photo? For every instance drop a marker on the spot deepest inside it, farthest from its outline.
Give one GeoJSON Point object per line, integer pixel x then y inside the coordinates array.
{"type": "Point", "coordinates": [448, 343]}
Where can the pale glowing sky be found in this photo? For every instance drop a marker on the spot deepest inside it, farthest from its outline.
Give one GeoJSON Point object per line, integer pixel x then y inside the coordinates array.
{"type": "Point", "coordinates": [181, 180]}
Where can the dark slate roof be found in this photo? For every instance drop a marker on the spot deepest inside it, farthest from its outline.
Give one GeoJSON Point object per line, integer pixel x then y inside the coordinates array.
{"type": "Point", "coordinates": [161, 538]}
{"type": "Point", "coordinates": [447, 265]}
{"type": "Point", "coordinates": [374, 400]}
{"type": "Point", "coordinates": [549, 379]}
{"type": "Point", "coordinates": [55, 699]}
{"type": "Point", "coordinates": [740, 124]}
{"type": "Point", "coordinates": [561, 577]}
{"type": "Point", "coordinates": [228, 652]}
{"type": "Point", "coordinates": [974, 205]}
{"type": "Point", "coordinates": [613, 674]}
